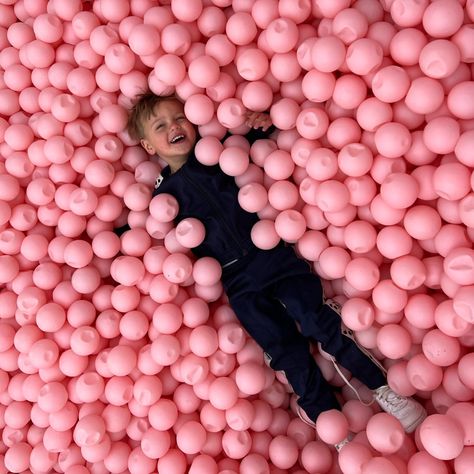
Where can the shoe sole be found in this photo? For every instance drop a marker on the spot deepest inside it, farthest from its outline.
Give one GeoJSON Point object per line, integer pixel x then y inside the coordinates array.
{"type": "Point", "coordinates": [412, 427]}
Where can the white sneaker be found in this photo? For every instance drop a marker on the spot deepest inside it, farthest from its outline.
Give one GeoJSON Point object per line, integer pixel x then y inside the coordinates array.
{"type": "Point", "coordinates": [407, 411]}
{"type": "Point", "coordinates": [344, 442]}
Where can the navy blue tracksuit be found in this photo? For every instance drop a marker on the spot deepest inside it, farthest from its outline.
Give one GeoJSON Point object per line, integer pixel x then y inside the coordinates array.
{"type": "Point", "coordinates": [268, 290]}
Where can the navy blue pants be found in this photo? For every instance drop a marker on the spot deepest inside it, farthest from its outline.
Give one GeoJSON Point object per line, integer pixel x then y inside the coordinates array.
{"type": "Point", "coordinates": [270, 292]}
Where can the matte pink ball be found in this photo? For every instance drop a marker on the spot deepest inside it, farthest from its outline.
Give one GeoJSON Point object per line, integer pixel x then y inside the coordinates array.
{"type": "Point", "coordinates": [290, 225]}
{"type": "Point", "coordinates": [204, 71]}
{"type": "Point", "coordinates": [390, 84]}
{"type": "Point", "coordinates": [364, 56]}
{"type": "Point", "coordinates": [264, 235]}
{"type": "Point", "coordinates": [190, 232]}
{"type": "Point", "coordinates": [385, 433]}
{"type": "Point", "coordinates": [362, 273]}
{"type": "Point", "coordinates": [408, 272]}
{"type": "Point", "coordinates": [241, 28]}
{"type": "Point", "coordinates": [357, 314]}
{"type": "Point", "coordinates": [379, 464]}
{"type": "Point", "coordinates": [234, 161]}
{"type": "Point", "coordinates": [393, 341]}
{"type": "Point", "coordinates": [328, 53]}
{"type": "Point", "coordinates": [442, 437]}
{"type": "Point", "coordinates": [283, 451]}
{"type": "Point", "coordinates": [191, 437]}
{"type": "Point", "coordinates": [425, 95]}
{"type": "Point", "coordinates": [463, 303]}
{"type": "Point", "coordinates": [437, 24]}
{"type": "Point", "coordinates": [223, 393]}
{"type": "Point", "coordinates": [165, 349]}
{"type": "Point", "coordinates": [332, 426]}
{"type": "Point", "coordinates": [399, 190]}
{"type": "Point", "coordinates": [177, 268]}
{"type": "Point", "coordinates": [89, 430]}
{"type": "Point", "coordinates": [459, 265]}
{"type": "Point", "coordinates": [199, 109]}
{"type": "Point", "coordinates": [207, 271]}
{"type": "Point", "coordinates": [170, 69]}
{"type": "Point", "coordinates": [440, 348]}
{"type": "Point", "coordinates": [458, 102]}
{"type": "Point", "coordinates": [423, 374]}
{"type": "Point", "coordinates": [332, 196]}
{"type": "Point", "coordinates": [312, 123]}
{"type": "Point", "coordinates": [282, 35]}
{"type": "Point", "coordinates": [355, 159]}
{"type": "Point", "coordinates": [392, 139]}
{"type": "Point", "coordinates": [439, 58]}
{"type": "Point", "coordinates": [353, 456]}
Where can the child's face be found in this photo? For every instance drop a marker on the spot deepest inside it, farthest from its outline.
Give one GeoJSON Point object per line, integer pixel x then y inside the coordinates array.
{"type": "Point", "coordinates": [169, 134]}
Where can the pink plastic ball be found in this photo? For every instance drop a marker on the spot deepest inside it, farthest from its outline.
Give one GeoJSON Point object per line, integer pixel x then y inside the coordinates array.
{"type": "Point", "coordinates": [355, 159]}
{"type": "Point", "coordinates": [332, 426]}
{"type": "Point", "coordinates": [290, 225]}
{"type": "Point", "coordinates": [191, 437]}
{"type": "Point", "coordinates": [423, 374]}
{"type": "Point", "coordinates": [362, 273]}
{"type": "Point", "coordinates": [241, 28]}
{"type": "Point", "coordinates": [283, 452]}
{"type": "Point", "coordinates": [364, 56]}
{"type": "Point", "coordinates": [234, 161]}
{"type": "Point", "coordinates": [199, 109]}
{"type": "Point", "coordinates": [204, 71]}
{"type": "Point", "coordinates": [385, 433]}
{"type": "Point", "coordinates": [435, 20]}
{"type": "Point", "coordinates": [442, 437]}
{"type": "Point", "coordinates": [190, 232]}
{"type": "Point", "coordinates": [207, 271]}
{"type": "Point", "coordinates": [439, 58]}
{"type": "Point", "coordinates": [264, 234]}
{"type": "Point", "coordinates": [392, 139]}
{"type": "Point", "coordinates": [393, 341]}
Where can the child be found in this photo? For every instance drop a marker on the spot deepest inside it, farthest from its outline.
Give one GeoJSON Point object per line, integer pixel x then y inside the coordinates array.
{"type": "Point", "coordinates": [269, 290]}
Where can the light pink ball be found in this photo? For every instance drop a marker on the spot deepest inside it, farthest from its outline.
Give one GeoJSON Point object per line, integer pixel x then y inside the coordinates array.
{"type": "Point", "coordinates": [458, 100]}
{"type": "Point", "coordinates": [385, 433]}
{"type": "Point", "coordinates": [283, 451]}
{"type": "Point", "coordinates": [399, 190]}
{"type": "Point", "coordinates": [282, 35]}
{"type": "Point", "coordinates": [442, 437]}
{"type": "Point", "coordinates": [439, 58]}
{"type": "Point", "coordinates": [458, 265]}
{"type": "Point", "coordinates": [290, 225]}
{"type": "Point", "coordinates": [392, 139]}
{"type": "Point", "coordinates": [364, 56]}
{"type": "Point", "coordinates": [362, 273]}
{"type": "Point", "coordinates": [423, 374]}
{"type": "Point", "coordinates": [328, 53]}
{"type": "Point", "coordinates": [393, 341]}
{"type": "Point", "coordinates": [234, 161]}
{"type": "Point", "coordinates": [332, 426]}
{"type": "Point", "coordinates": [425, 95]}
{"type": "Point", "coordinates": [264, 234]}
{"type": "Point", "coordinates": [190, 232]}
{"type": "Point", "coordinates": [408, 272]}
{"type": "Point", "coordinates": [443, 20]}
{"type": "Point", "coordinates": [440, 349]}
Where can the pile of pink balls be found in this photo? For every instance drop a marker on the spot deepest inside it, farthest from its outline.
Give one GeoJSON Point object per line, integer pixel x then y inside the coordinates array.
{"type": "Point", "coordinates": [121, 354]}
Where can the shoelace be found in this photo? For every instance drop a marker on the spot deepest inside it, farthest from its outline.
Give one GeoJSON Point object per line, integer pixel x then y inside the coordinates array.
{"type": "Point", "coordinates": [339, 371]}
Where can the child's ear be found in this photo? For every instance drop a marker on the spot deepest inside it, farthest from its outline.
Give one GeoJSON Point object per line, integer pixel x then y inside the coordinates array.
{"type": "Point", "coordinates": [147, 146]}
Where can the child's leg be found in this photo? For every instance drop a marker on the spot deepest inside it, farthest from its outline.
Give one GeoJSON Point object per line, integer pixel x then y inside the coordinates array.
{"type": "Point", "coordinates": [266, 320]}
{"type": "Point", "coordinates": [303, 297]}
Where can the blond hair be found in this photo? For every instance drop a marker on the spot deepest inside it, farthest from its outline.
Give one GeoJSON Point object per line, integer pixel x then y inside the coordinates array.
{"type": "Point", "coordinates": [142, 110]}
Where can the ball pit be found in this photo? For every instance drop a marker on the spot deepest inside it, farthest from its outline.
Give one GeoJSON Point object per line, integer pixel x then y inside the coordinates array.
{"type": "Point", "coordinates": [121, 354]}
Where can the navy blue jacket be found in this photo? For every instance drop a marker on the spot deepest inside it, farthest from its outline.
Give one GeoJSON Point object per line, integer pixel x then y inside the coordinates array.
{"type": "Point", "coordinates": [208, 194]}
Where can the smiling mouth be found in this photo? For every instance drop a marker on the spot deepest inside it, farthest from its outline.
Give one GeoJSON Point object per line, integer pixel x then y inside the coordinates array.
{"type": "Point", "coordinates": [177, 139]}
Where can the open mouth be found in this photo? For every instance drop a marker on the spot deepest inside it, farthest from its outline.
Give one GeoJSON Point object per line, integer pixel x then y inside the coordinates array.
{"type": "Point", "coordinates": [177, 139]}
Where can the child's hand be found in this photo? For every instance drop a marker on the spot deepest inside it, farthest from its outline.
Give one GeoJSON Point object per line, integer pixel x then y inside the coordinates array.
{"type": "Point", "coordinates": [258, 120]}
